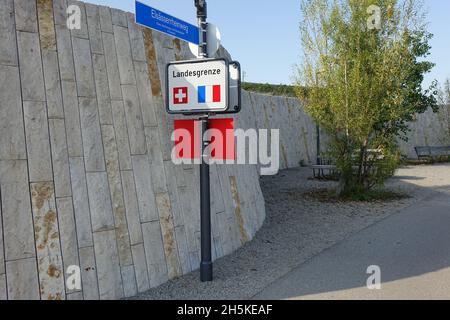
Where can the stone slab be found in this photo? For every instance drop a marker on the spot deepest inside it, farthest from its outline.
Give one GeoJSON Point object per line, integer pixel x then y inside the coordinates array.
{"type": "Point", "coordinates": [131, 207]}
{"type": "Point", "coordinates": [12, 134]}
{"type": "Point", "coordinates": [146, 198]}
{"type": "Point", "coordinates": [60, 158]}
{"type": "Point", "coordinates": [48, 250]}
{"type": "Point", "coordinates": [32, 78]}
{"type": "Point", "coordinates": [120, 127]}
{"type": "Point", "coordinates": [91, 134]}
{"type": "Point", "coordinates": [140, 267]}
{"type": "Point", "coordinates": [100, 202]}
{"type": "Point", "coordinates": [52, 85]}
{"type": "Point", "coordinates": [108, 268]}
{"type": "Point", "coordinates": [102, 89]}
{"type": "Point", "coordinates": [16, 211]}
{"type": "Point", "coordinates": [83, 68]}
{"type": "Point", "coordinates": [124, 57]}
{"type": "Point", "coordinates": [89, 274]}
{"type": "Point", "coordinates": [72, 119]}
{"type": "Point", "coordinates": [154, 250]}
{"type": "Point", "coordinates": [133, 116]}
{"type": "Point", "coordinates": [81, 202]}
{"type": "Point", "coordinates": [26, 15]}
{"type": "Point", "coordinates": [38, 141]}
{"type": "Point", "coordinates": [68, 234]}
{"type": "Point", "coordinates": [22, 279]}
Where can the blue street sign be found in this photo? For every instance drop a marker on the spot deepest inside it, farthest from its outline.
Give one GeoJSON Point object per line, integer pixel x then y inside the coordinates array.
{"type": "Point", "coordinates": [160, 21]}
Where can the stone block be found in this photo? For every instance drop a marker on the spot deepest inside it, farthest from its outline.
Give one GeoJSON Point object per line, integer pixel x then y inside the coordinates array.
{"type": "Point", "coordinates": [65, 53]}
{"type": "Point", "coordinates": [146, 198]}
{"type": "Point", "coordinates": [108, 267]}
{"type": "Point", "coordinates": [72, 119]}
{"type": "Point", "coordinates": [46, 231]}
{"type": "Point", "coordinates": [117, 197]}
{"type": "Point", "coordinates": [95, 33]}
{"type": "Point", "coordinates": [12, 137]}
{"type": "Point", "coordinates": [46, 25]}
{"type": "Point", "coordinates": [154, 250]}
{"type": "Point", "coordinates": [135, 124]}
{"type": "Point", "coordinates": [124, 58]}
{"type": "Point", "coordinates": [52, 85]}
{"type": "Point", "coordinates": [81, 202]}
{"type": "Point", "coordinates": [119, 17]}
{"type": "Point", "coordinates": [38, 141]}
{"type": "Point", "coordinates": [129, 281]}
{"type": "Point", "coordinates": [60, 158]}
{"type": "Point", "coordinates": [8, 49]}
{"type": "Point", "coordinates": [32, 78]}
{"type": "Point", "coordinates": [145, 98]}
{"type": "Point", "coordinates": [16, 211]}
{"type": "Point", "coordinates": [131, 207]}
{"type": "Point", "coordinates": [22, 279]}
{"type": "Point", "coordinates": [83, 68]}
{"type": "Point", "coordinates": [105, 19]}
{"type": "Point", "coordinates": [140, 267]}
{"type": "Point", "coordinates": [120, 126]}
{"type": "Point", "coordinates": [89, 274]}
{"type": "Point", "coordinates": [136, 39]}
{"type": "Point", "coordinates": [102, 88]}
{"type": "Point", "coordinates": [112, 66]}
{"type": "Point", "coordinates": [68, 234]}
{"type": "Point", "coordinates": [26, 15]}
{"type": "Point", "coordinates": [91, 134]}
{"type": "Point", "coordinates": [100, 202]}
{"type": "Point", "coordinates": [60, 12]}
{"type": "Point", "coordinates": [156, 160]}
{"type": "Point", "coordinates": [168, 235]}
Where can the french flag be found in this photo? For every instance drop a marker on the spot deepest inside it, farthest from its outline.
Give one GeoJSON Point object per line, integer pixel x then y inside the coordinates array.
{"type": "Point", "coordinates": [209, 94]}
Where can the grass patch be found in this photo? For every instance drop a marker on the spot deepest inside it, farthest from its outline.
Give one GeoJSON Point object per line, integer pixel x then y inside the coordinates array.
{"type": "Point", "coordinates": [376, 195]}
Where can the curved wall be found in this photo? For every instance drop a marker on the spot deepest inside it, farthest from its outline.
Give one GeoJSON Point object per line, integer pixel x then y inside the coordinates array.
{"type": "Point", "coordinates": [85, 172]}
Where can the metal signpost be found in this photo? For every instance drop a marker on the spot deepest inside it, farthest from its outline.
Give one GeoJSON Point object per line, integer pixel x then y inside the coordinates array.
{"type": "Point", "coordinates": [206, 268]}
{"type": "Point", "coordinates": [202, 87]}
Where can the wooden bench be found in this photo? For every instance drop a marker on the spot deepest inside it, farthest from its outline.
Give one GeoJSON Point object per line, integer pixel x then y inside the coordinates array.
{"type": "Point", "coordinates": [431, 153]}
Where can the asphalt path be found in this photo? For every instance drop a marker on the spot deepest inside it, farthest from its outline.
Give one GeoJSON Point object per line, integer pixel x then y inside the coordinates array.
{"type": "Point", "coordinates": [411, 249]}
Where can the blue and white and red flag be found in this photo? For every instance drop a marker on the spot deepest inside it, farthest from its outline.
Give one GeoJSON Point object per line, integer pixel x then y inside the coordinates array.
{"type": "Point", "coordinates": [208, 94]}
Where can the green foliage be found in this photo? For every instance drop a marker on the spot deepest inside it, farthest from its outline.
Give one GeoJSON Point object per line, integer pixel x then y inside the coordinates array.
{"type": "Point", "coordinates": [272, 89]}
{"type": "Point", "coordinates": [364, 84]}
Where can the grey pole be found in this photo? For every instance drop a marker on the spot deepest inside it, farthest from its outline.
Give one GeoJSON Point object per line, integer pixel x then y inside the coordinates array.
{"type": "Point", "coordinates": [319, 160]}
{"type": "Point", "coordinates": [206, 267]}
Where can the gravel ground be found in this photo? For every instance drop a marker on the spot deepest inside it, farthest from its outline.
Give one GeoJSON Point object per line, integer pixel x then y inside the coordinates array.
{"type": "Point", "coordinates": [296, 229]}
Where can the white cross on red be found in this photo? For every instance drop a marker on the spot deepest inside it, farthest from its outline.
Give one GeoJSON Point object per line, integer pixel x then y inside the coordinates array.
{"type": "Point", "coordinates": [180, 95]}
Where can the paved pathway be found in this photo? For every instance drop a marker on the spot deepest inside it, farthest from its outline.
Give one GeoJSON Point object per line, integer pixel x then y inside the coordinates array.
{"type": "Point", "coordinates": [412, 248]}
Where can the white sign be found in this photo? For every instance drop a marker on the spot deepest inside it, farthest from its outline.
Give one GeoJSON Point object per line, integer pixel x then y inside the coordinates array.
{"type": "Point", "coordinates": [197, 86]}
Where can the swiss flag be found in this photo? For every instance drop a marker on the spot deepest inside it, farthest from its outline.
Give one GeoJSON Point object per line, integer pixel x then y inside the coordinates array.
{"type": "Point", "coordinates": [180, 95]}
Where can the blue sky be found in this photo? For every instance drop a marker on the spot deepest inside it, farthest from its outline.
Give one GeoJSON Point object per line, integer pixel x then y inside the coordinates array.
{"type": "Point", "coordinates": [263, 34]}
